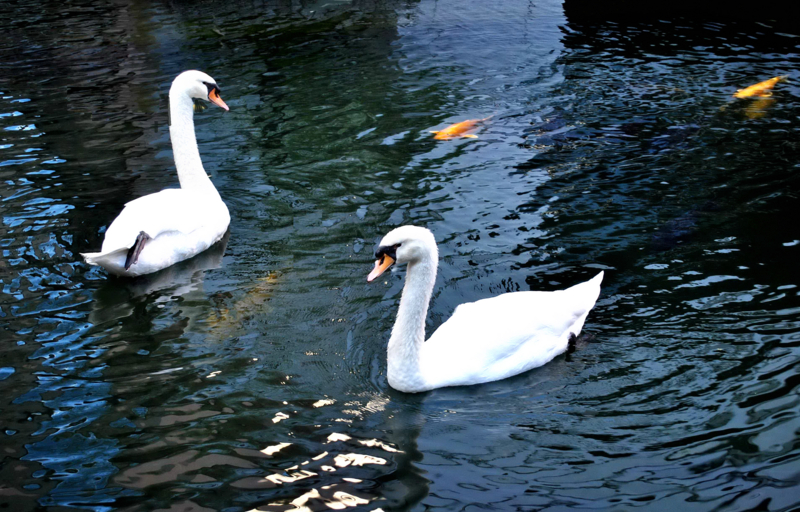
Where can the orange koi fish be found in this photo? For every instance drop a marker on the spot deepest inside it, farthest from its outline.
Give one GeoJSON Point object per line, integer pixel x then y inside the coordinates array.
{"type": "Point", "coordinates": [758, 108]}
{"type": "Point", "coordinates": [761, 89]}
{"type": "Point", "coordinates": [459, 129]}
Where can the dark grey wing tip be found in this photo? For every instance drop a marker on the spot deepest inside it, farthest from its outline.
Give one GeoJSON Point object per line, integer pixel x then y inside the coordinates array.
{"type": "Point", "coordinates": [133, 252]}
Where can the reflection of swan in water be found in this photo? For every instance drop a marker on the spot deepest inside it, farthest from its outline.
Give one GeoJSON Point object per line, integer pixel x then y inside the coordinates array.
{"type": "Point", "coordinates": [181, 279]}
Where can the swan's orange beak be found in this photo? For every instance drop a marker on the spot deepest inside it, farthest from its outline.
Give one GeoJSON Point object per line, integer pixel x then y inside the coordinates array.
{"type": "Point", "coordinates": [381, 265]}
{"type": "Point", "coordinates": [215, 99]}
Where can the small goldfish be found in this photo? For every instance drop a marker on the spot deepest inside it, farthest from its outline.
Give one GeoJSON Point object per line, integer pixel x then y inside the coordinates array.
{"type": "Point", "coordinates": [458, 129]}
{"type": "Point", "coordinates": [761, 89]}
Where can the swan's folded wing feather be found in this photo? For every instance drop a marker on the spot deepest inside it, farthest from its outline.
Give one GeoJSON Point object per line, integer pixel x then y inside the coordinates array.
{"type": "Point", "coordinates": [170, 210]}
{"type": "Point", "coordinates": [515, 316]}
{"type": "Point", "coordinates": [500, 336]}
{"type": "Point", "coordinates": [499, 323]}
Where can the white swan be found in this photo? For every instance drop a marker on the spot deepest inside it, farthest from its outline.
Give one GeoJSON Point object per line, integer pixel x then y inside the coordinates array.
{"type": "Point", "coordinates": [161, 229]}
{"type": "Point", "coordinates": [483, 341]}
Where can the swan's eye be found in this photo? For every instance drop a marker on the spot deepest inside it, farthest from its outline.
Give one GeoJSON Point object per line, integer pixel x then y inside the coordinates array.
{"type": "Point", "coordinates": [214, 95]}
{"type": "Point", "coordinates": [387, 250]}
{"type": "Point", "coordinates": [210, 87]}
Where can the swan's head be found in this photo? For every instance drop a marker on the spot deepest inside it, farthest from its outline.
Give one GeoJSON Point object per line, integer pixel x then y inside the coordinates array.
{"type": "Point", "coordinates": [406, 244]}
{"type": "Point", "coordinates": [199, 85]}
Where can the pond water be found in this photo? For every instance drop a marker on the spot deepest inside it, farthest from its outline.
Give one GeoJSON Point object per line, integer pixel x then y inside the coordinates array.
{"type": "Point", "coordinates": [253, 376]}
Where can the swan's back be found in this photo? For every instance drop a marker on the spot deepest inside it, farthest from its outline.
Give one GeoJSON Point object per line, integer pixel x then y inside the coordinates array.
{"type": "Point", "coordinates": [498, 337]}
{"type": "Point", "coordinates": [170, 210]}
{"type": "Point", "coordinates": [180, 224]}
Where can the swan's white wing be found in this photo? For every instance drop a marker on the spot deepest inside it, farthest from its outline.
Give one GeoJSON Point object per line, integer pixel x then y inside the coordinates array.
{"type": "Point", "coordinates": [505, 335]}
{"type": "Point", "coordinates": [171, 210]}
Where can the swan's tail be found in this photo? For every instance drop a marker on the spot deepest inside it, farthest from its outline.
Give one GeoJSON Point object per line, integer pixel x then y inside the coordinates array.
{"type": "Point", "coordinates": [592, 287]}
{"type": "Point", "coordinates": [111, 260]}
{"type": "Point", "coordinates": [590, 284]}
{"type": "Point", "coordinates": [596, 280]}
{"type": "Point", "coordinates": [586, 293]}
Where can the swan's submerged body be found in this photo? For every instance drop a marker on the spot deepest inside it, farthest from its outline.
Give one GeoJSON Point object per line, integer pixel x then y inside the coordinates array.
{"type": "Point", "coordinates": [483, 341]}
{"type": "Point", "coordinates": [174, 224]}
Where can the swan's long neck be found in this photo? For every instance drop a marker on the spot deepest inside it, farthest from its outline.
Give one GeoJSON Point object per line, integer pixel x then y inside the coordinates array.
{"type": "Point", "coordinates": [191, 174]}
{"type": "Point", "coordinates": [408, 333]}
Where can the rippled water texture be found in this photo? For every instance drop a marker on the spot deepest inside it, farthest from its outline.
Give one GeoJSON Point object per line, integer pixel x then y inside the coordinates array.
{"type": "Point", "coordinates": [253, 377]}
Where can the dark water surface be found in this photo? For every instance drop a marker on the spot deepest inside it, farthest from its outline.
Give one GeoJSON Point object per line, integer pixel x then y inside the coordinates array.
{"type": "Point", "coordinates": [253, 377]}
